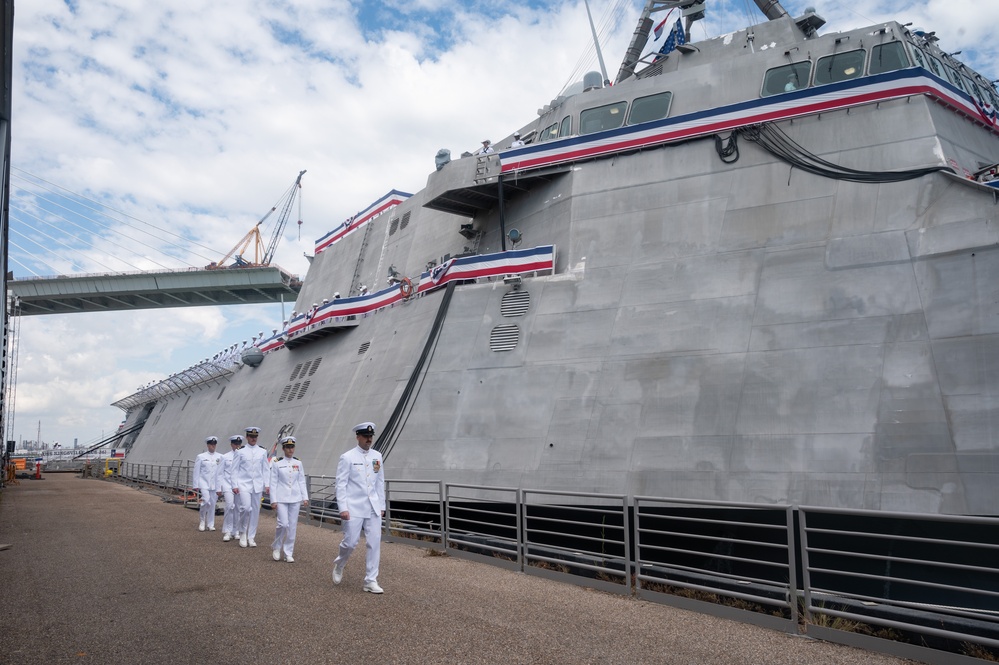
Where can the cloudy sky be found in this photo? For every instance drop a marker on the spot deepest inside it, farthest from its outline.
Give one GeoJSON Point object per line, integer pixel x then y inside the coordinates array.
{"type": "Point", "coordinates": [181, 123]}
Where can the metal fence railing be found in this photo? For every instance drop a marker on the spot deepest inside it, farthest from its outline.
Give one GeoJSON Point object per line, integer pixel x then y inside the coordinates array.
{"type": "Point", "coordinates": [483, 523]}
{"type": "Point", "coordinates": [415, 512]}
{"type": "Point", "coordinates": [693, 553]}
{"type": "Point", "coordinates": [918, 586]}
{"type": "Point", "coordinates": [869, 574]}
{"type": "Point", "coordinates": [577, 535]}
{"type": "Point", "coordinates": [322, 500]}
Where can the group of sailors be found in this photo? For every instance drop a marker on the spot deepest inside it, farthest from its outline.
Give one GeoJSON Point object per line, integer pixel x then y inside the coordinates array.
{"type": "Point", "coordinates": [242, 476]}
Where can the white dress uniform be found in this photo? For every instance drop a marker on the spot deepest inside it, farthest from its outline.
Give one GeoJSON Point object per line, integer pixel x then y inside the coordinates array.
{"type": "Point", "coordinates": [206, 479]}
{"type": "Point", "coordinates": [250, 474]}
{"type": "Point", "coordinates": [225, 482]}
{"type": "Point", "coordinates": [360, 490]}
{"type": "Point", "coordinates": [288, 491]}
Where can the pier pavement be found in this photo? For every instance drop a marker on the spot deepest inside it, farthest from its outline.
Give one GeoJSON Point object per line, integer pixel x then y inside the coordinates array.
{"type": "Point", "coordinates": [98, 572]}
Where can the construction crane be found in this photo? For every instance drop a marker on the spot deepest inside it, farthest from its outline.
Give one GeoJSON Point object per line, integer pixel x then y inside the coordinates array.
{"type": "Point", "coordinates": [262, 257]}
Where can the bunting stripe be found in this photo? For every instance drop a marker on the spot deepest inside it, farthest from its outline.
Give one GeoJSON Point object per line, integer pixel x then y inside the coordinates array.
{"type": "Point", "coordinates": [387, 202]}
{"type": "Point", "coordinates": [512, 262]}
{"type": "Point", "coordinates": [809, 101]}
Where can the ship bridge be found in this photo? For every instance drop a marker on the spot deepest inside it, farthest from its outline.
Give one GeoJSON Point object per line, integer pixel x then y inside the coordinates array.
{"type": "Point", "coordinates": [106, 292]}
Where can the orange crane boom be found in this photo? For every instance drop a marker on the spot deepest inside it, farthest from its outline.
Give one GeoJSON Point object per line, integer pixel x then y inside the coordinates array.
{"type": "Point", "coordinates": [263, 258]}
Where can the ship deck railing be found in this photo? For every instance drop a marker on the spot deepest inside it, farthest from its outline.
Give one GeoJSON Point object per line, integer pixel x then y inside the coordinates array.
{"type": "Point", "coordinates": [912, 585]}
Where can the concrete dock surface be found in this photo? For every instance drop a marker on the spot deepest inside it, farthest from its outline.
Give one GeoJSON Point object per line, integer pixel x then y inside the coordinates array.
{"type": "Point", "coordinates": [98, 572]}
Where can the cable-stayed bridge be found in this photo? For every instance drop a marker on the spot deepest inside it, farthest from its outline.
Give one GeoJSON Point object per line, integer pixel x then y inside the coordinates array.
{"type": "Point", "coordinates": [106, 292]}
{"type": "Point", "coordinates": [49, 214]}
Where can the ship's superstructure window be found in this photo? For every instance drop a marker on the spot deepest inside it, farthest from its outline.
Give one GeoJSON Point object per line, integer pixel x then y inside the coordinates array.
{"type": "Point", "coordinates": [602, 118]}
{"type": "Point", "coordinates": [970, 85]}
{"type": "Point", "coordinates": [548, 133]}
{"type": "Point", "coordinates": [888, 58]}
{"type": "Point", "coordinates": [565, 129]}
{"type": "Point", "coordinates": [840, 67]}
{"type": "Point", "coordinates": [935, 66]}
{"type": "Point", "coordinates": [917, 56]}
{"type": "Point", "coordinates": [653, 107]}
{"type": "Point", "coordinates": [954, 78]}
{"type": "Point", "coordinates": [786, 78]}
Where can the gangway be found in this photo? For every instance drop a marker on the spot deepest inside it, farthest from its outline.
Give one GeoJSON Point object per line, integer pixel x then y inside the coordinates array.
{"type": "Point", "coordinates": [116, 435]}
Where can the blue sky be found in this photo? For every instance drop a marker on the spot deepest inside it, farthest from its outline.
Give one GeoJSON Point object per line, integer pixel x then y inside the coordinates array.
{"type": "Point", "coordinates": [194, 117]}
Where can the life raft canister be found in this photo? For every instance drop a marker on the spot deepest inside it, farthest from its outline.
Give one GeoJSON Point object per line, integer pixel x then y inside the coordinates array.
{"type": "Point", "coordinates": [406, 287]}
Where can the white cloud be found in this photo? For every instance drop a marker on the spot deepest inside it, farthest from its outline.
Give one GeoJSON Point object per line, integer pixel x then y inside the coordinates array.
{"type": "Point", "coordinates": [196, 116]}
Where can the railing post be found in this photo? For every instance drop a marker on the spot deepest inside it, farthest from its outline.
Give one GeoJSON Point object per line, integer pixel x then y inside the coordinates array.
{"type": "Point", "coordinates": [629, 562]}
{"type": "Point", "coordinates": [521, 531]}
{"type": "Point", "coordinates": [805, 577]}
{"type": "Point", "coordinates": [792, 566]}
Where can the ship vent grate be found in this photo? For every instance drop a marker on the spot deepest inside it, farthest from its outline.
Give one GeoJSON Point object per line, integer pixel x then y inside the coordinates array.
{"type": "Point", "coordinates": [504, 337]}
{"type": "Point", "coordinates": [295, 372]}
{"type": "Point", "coordinates": [515, 303]}
{"type": "Point", "coordinates": [393, 226]}
{"type": "Point", "coordinates": [303, 389]}
{"type": "Point", "coordinates": [405, 220]}
{"type": "Point", "coordinates": [364, 348]}
{"type": "Point", "coordinates": [294, 391]}
{"type": "Point", "coordinates": [315, 366]}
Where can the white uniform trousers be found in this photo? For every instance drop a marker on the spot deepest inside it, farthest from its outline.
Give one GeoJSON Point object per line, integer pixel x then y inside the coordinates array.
{"type": "Point", "coordinates": [206, 508]}
{"type": "Point", "coordinates": [372, 527]}
{"type": "Point", "coordinates": [287, 525]}
{"type": "Point", "coordinates": [248, 504]}
{"type": "Point", "coordinates": [229, 517]}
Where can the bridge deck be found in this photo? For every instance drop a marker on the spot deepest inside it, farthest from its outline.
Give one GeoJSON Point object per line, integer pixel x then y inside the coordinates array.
{"type": "Point", "coordinates": [101, 573]}
{"type": "Point", "coordinates": [153, 290]}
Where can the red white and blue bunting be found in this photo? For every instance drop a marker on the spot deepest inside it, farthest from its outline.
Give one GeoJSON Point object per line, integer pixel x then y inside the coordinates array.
{"type": "Point", "coordinates": [385, 203]}
{"type": "Point", "coordinates": [512, 262]}
{"type": "Point", "coordinates": [809, 101]}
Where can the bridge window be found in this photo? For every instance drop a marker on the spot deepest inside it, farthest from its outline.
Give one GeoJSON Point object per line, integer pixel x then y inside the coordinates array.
{"type": "Point", "coordinates": [917, 56]}
{"type": "Point", "coordinates": [888, 57]}
{"type": "Point", "coordinates": [779, 80]}
{"type": "Point", "coordinates": [970, 86]}
{"type": "Point", "coordinates": [602, 118]}
{"type": "Point", "coordinates": [954, 78]}
{"type": "Point", "coordinates": [840, 67]}
{"type": "Point", "coordinates": [935, 66]}
{"type": "Point", "coordinates": [566, 128]}
{"type": "Point", "coordinates": [653, 107]}
{"type": "Point", "coordinates": [548, 133]}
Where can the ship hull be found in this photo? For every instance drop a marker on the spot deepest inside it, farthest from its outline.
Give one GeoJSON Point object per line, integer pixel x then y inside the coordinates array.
{"type": "Point", "coordinates": [740, 331]}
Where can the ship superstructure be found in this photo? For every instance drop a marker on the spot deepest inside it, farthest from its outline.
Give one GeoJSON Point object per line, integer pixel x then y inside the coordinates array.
{"type": "Point", "coordinates": [759, 267]}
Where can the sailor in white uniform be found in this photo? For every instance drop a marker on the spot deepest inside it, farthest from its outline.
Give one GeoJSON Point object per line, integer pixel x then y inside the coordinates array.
{"type": "Point", "coordinates": [360, 496]}
{"type": "Point", "coordinates": [225, 481]}
{"type": "Point", "coordinates": [288, 494]}
{"type": "Point", "coordinates": [250, 475]}
{"type": "Point", "coordinates": [206, 479]}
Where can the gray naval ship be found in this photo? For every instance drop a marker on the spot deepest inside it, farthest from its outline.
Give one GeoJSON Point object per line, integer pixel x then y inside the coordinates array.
{"type": "Point", "coordinates": [761, 267]}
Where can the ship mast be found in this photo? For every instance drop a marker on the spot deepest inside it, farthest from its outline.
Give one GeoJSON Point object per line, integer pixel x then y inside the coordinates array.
{"type": "Point", "coordinates": [694, 9]}
{"type": "Point", "coordinates": [596, 44]}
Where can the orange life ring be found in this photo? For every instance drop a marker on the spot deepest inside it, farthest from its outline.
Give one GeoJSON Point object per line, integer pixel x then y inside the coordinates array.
{"type": "Point", "coordinates": [406, 287]}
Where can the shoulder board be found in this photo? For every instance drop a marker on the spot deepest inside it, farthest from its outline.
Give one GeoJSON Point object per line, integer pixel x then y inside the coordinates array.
{"type": "Point", "coordinates": [295, 458]}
